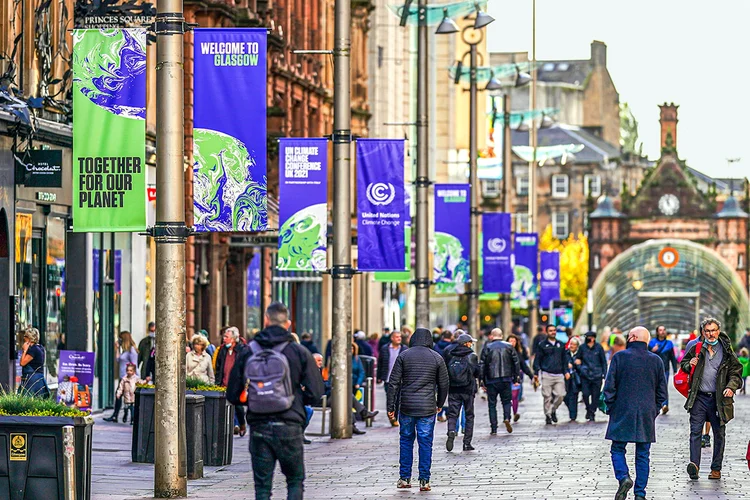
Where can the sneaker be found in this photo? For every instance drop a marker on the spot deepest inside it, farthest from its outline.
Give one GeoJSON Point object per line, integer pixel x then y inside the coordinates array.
{"type": "Point", "coordinates": [403, 483]}
{"type": "Point", "coordinates": [449, 442]}
{"type": "Point", "coordinates": [549, 420]}
{"type": "Point", "coordinates": [113, 418]}
{"type": "Point", "coordinates": [554, 417]}
{"type": "Point", "coordinates": [664, 409]}
{"type": "Point", "coordinates": [508, 427]}
{"type": "Point", "coordinates": [692, 471]}
{"type": "Point", "coordinates": [306, 441]}
{"type": "Point", "coordinates": [516, 417]}
{"type": "Point", "coordinates": [622, 491]}
{"type": "Point", "coordinates": [468, 447]}
{"type": "Point", "coordinates": [715, 474]}
{"type": "Point", "coordinates": [592, 418]}
{"type": "Point", "coordinates": [357, 431]}
{"type": "Point", "coordinates": [493, 432]}
{"type": "Point", "coordinates": [424, 485]}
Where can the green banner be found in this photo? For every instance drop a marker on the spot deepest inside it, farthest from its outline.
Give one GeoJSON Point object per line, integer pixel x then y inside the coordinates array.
{"type": "Point", "coordinates": [109, 130]}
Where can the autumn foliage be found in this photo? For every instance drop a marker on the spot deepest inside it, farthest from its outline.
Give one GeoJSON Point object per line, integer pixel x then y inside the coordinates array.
{"type": "Point", "coordinates": [574, 266]}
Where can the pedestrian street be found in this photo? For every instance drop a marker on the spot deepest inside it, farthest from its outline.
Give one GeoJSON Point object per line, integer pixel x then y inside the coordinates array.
{"type": "Point", "coordinates": [535, 462]}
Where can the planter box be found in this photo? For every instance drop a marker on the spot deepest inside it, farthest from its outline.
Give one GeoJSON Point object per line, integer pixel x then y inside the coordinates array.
{"type": "Point", "coordinates": [142, 449]}
{"type": "Point", "coordinates": [31, 457]}
{"type": "Point", "coordinates": [218, 428]}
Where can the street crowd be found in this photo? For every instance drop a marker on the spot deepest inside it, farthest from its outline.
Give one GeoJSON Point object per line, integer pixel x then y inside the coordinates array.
{"type": "Point", "coordinates": [276, 378]}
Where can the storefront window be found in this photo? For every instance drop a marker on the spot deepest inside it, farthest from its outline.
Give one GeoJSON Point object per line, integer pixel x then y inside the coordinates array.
{"type": "Point", "coordinates": [27, 275]}
{"type": "Point", "coordinates": [55, 295]}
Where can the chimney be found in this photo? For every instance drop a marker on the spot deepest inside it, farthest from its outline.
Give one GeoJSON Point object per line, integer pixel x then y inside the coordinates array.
{"type": "Point", "coordinates": [599, 54]}
{"type": "Point", "coordinates": [668, 122]}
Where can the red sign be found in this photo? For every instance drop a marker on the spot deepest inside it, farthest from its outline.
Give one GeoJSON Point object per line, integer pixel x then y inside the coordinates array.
{"type": "Point", "coordinates": [151, 193]}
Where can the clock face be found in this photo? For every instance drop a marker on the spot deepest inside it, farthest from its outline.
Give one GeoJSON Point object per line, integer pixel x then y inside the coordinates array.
{"type": "Point", "coordinates": [669, 204]}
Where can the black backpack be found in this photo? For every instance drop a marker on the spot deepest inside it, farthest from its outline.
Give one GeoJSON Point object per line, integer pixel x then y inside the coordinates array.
{"type": "Point", "coordinates": [460, 371]}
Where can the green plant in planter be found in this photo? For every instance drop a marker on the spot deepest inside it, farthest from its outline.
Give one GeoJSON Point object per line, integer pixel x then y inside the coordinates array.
{"type": "Point", "coordinates": [22, 405]}
{"type": "Point", "coordinates": [191, 384]}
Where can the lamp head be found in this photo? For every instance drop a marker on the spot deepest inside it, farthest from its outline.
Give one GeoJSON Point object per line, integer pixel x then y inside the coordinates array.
{"type": "Point", "coordinates": [447, 26]}
{"type": "Point", "coordinates": [546, 122]}
{"type": "Point", "coordinates": [482, 19]}
{"type": "Point", "coordinates": [494, 83]}
{"type": "Point", "coordinates": [522, 78]}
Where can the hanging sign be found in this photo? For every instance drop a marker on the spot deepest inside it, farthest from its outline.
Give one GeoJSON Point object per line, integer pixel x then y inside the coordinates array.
{"type": "Point", "coordinates": [75, 379]}
{"type": "Point", "coordinates": [39, 168]}
{"type": "Point", "coordinates": [303, 208]}
{"type": "Point", "coordinates": [109, 131]}
{"type": "Point", "coordinates": [229, 130]}
{"type": "Point", "coordinates": [381, 210]}
{"type": "Point", "coordinates": [524, 269]}
{"type": "Point", "coordinates": [496, 253]}
{"type": "Point", "coordinates": [452, 236]}
{"type": "Point", "coordinates": [550, 283]}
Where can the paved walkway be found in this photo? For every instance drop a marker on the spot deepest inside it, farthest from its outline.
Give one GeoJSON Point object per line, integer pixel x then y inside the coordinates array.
{"type": "Point", "coordinates": [569, 460]}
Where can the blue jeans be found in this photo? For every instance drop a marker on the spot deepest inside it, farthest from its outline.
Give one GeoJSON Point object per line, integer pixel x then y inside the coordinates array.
{"type": "Point", "coordinates": [423, 429]}
{"type": "Point", "coordinates": [642, 453]}
{"type": "Point", "coordinates": [666, 376]}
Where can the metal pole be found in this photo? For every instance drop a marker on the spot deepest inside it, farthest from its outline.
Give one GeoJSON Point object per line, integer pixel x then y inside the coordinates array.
{"type": "Point", "coordinates": [369, 403]}
{"type": "Point", "coordinates": [170, 234]}
{"type": "Point", "coordinates": [473, 291]}
{"type": "Point", "coordinates": [69, 462]}
{"type": "Point", "coordinates": [421, 226]}
{"type": "Point", "coordinates": [533, 165]}
{"type": "Point", "coordinates": [507, 198]}
{"type": "Point", "coordinates": [341, 411]}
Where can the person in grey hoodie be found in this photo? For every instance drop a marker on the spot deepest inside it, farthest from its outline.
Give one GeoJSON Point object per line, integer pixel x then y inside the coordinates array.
{"type": "Point", "coordinates": [420, 377]}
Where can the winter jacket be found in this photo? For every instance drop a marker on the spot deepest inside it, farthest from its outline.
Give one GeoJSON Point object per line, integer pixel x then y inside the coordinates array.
{"type": "Point", "coordinates": [144, 350]}
{"type": "Point", "coordinates": [500, 360]}
{"type": "Point", "coordinates": [415, 376]}
{"type": "Point", "coordinates": [573, 384]}
{"type": "Point", "coordinates": [221, 358]}
{"type": "Point", "coordinates": [440, 345]}
{"type": "Point", "coordinates": [310, 346]}
{"type": "Point", "coordinates": [523, 358]}
{"type": "Point", "coordinates": [303, 372]}
{"type": "Point", "coordinates": [729, 377]}
{"type": "Point", "coordinates": [462, 351]}
{"type": "Point", "coordinates": [126, 389]}
{"type": "Point", "coordinates": [550, 358]}
{"type": "Point", "coordinates": [199, 366]}
{"type": "Point", "coordinates": [593, 362]}
{"type": "Point", "coordinates": [364, 347]}
{"type": "Point", "coordinates": [634, 391]}
{"type": "Point", "coordinates": [384, 360]}
{"type": "Point", "coordinates": [665, 350]}
{"type": "Point", "coordinates": [744, 342]}
{"type": "Point", "coordinates": [358, 372]}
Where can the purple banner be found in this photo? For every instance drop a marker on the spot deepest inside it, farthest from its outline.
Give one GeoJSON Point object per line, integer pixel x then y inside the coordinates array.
{"type": "Point", "coordinates": [95, 256]}
{"type": "Point", "coordinates": [452, 233]}
{"type": "Point", "coordinates": [525, 266]}
{"type": "Point", "coordinates": [496, 253]}
{"type": "Point", "coordinates": [229, 129]}
{"type": "Point", "coordinates": [303, 209]}
{"type": "Point", "coordinates": [550, 283]}
{"type": "Point", "coordinates": [253, 281]}
{"type": "Point", "coordinates": [118, 271]}
{"type": "Point", "coordinates": [381, 210]}
{"type": "Point", "coordinates": [75, 378]}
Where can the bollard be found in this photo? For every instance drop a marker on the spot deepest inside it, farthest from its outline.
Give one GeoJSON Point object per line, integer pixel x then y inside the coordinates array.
{"type": "Point", "coordinates": [69, 462]}
{"type": "Point", "coordinates": [369, 393]}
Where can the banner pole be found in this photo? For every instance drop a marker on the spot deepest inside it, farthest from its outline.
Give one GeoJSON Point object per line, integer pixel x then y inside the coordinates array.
{"type": "Point", "coordinates": [341, 273]}
{"type": "Point", "coordinates": [421, 226]}
{"type": "Point", "coordinates": [507, 318]}
{"type": "Point", "coordinates": [170, 234]}
{"type": "Point", "coordinates": [473, 291]}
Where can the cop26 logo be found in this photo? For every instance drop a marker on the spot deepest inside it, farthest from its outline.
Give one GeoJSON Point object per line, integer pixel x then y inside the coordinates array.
{"type": "Point", "coordinates": [380, 193]}
{"type": "Point", "coordinates": [549, 274]}
{"type": "Point", "coordinates": [496, 245]}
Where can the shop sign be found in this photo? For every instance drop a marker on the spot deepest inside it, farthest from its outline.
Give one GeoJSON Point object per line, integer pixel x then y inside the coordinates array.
{"type": "Point", "coordinates": [39, 168]}
{"type": "Point", "coordinates": [44, 196]}
{"type": "Point", "coordinates": [107, 14]}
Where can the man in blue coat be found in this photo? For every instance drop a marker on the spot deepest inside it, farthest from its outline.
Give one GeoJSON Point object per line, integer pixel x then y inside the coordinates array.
{"type": "Point", "coordinates": [634, 392]}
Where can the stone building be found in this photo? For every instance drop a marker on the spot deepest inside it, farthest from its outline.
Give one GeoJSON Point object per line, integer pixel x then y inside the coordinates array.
{"type": "Point", "coordinates": [670, 253]}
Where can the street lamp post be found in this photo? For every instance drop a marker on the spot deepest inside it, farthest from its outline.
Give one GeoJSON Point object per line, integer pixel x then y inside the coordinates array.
{"type": "Point", "coordinates": [507, 321]}
{"type": "Point", "coordinates": [532, 164]}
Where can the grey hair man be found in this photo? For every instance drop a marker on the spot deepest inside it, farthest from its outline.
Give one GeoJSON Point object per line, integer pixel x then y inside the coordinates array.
{"type": "Point", "coordinates": [500, 369]}
{"type": "Point", "coordinates": [716, 377]}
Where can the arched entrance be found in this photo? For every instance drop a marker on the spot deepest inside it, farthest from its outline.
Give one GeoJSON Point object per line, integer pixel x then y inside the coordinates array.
{"type": "Point", "coordinates": [670, 282]}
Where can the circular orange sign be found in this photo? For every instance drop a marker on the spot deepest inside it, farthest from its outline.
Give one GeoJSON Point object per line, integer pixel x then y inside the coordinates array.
{"type": "Point", "coordinates": [669, 257]}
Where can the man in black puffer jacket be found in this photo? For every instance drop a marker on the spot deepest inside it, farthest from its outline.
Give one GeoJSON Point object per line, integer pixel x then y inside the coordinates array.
{"type": "Point", "coordinates": [463, 372]}
{"type": "Point", "coordinates": [279, 436]}
{"type": "Point", "coordinates": [501, 368]}
{"type": "Point", "coordinates": [416, 374]}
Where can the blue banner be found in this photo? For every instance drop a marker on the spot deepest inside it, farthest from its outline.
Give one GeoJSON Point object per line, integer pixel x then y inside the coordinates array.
{"type": "Point", "coordinates": [496, 253]}
{"type": "Point", "coordinates": [381, 210]}
{"type": "Point", "coordinates": [550, 283]}
{"type": "Point", "coordinates": [452, 236]}
{"type": "Point", "coordinates": [524, 269]}
{"type": "Point", "coordinates": [303, 209]}
{"type": "Point", "coordinates": [229, 129]}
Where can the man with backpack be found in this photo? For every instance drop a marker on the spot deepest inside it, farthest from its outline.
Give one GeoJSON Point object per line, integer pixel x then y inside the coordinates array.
{"type": "Point", "coordinates": [420, 378]}
{"type": "Point", "coordinates": [501, 368]}
{"type": "Point", "coordinates": [275, 377]}
{"type": "Point", "coordinates": [463, 370]}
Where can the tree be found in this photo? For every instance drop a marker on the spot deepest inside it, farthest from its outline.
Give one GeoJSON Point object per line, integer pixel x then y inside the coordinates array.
{"type": "Point", "coordinates": [629, 131]}
{"type": "Point", "coordinates": [574, 266]}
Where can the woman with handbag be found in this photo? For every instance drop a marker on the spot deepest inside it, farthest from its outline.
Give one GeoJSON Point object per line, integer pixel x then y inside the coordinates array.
{"type": "Point", "coordinates": [32, 366]}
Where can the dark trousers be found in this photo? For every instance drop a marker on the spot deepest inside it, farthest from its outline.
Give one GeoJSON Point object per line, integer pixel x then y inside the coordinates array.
{"type": "Point", "coordinates": [277, 441]}
{"type": "Point", "coordinates": [505, 391]}
{"type": "Point", "coordinates": [591, 390]}
{"type": "Point", "coordinates": [455, 402]}
{"type": "Point", "coordinates": [239, 415]}
{"type": "Point", "coordinates": [571, 400]}
{"type": "Point", "coordinates": [704, 410]}
{"type": "Point", "coordinates": [642, 456]}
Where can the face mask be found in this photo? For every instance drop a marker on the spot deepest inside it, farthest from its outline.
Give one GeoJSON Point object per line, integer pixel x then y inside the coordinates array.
{"type": "Point", "coordinates": [712, 343]}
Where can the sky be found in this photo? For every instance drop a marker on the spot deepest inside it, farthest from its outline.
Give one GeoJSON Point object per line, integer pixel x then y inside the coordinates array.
{"type": "Point", "coordinates": [689, 53]}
